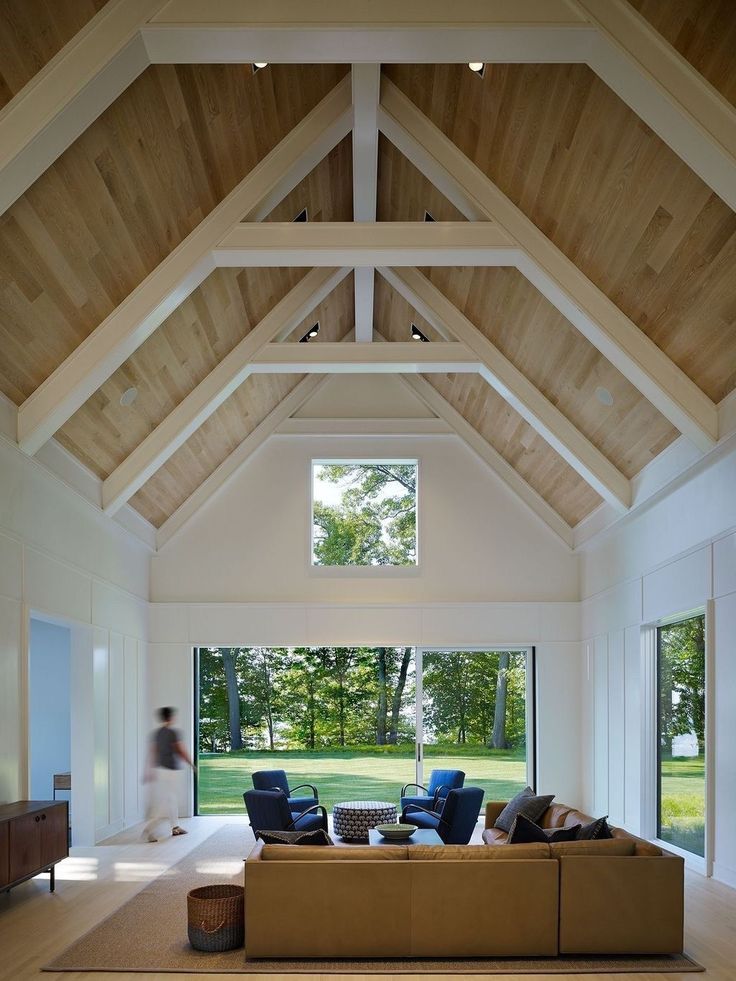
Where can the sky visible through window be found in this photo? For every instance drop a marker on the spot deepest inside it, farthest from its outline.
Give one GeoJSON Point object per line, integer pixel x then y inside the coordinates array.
{"type": "Point", "coordinates": [364, 513]}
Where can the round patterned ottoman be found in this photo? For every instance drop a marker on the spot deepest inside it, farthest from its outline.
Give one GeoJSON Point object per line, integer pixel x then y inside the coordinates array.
{"type": "Point", "coordinates": [353, 819]}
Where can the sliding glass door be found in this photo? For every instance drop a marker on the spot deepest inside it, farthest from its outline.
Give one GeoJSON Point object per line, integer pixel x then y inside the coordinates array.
{"type": "Point", "coordinates": [681, 734]}
{"type": "Point", "coordinates": [360, 722]}
{"type": "Point", "coordinates": [476, 717]}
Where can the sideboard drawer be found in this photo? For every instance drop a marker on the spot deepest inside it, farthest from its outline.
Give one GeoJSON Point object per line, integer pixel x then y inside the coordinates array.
{"type": "Point", "coordinates": [54, 834]}
{"type": "Point", "coordinates": [25, 845]}
{"type": "Point", "coordinates": [4, 855]}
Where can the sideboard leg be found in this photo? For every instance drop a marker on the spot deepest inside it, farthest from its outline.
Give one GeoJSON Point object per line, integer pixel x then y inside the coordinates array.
{"type": "Point", "coordinates": [52, 880]}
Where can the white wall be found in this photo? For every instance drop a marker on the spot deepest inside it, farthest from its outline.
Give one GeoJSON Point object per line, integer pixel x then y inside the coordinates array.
{"type": "Point", "coordinates": [675, 557]}
{"type": "Point", "coordinates": [49, 705]}
{"type": "Point", "coordinates": [490, 573]}
{"type": "Point", "coordinates": [62, 558]}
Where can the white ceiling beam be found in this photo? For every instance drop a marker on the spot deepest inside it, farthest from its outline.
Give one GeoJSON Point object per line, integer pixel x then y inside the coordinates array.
{"type": "Point", "coordinates": [627, 347]}
{"type": "Point", "coordinates": [366, 82]}
{"type": "Point", "coordinates": [238, 458]}
{"type": "Point", "coordinates": [396, 243]}
{"type": "Point", "coordinates": [135, 319]}
{"type": "Point", "coordinates": [332, 31]}
{"type": "Point", "coordinates": [70, 92]}
{"type": "Point", "coordinates": [513, 386]}
{"type": "Point", "coordinates": [664, 90]}
{"type": "Point", "coordinates": [343, 359]}
{"type": "Point", "coordinates": [364, 427]}
{"type": "Point", "coordinates": [491, 457]}
{"type": "Point", "coordinates": [228, 375]}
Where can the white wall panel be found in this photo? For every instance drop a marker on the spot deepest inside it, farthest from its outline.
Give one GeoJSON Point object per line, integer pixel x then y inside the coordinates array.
{"type": "Point", "coordinates": [632, 729]}
{"type": "Point", "coordinates": [600, 725]}
{"type": "Point", "coordinates": [52, 587]}
{"type": "Point", "coordinates": [227, 625]}
{"type": "Point", "coordinates": [679, 586]}
{"type": "Point", "coordinates": [101, 673]}
{"type": "Point", "coordinates": [616, 726]}
{"type": "Point", "coordinates": [619, 606]}
{"type": "Point", "coordinates": [724, 565]}
{"type": "Point", "coordinates": [724, 857]}
{"type": "Point", "coordinates": [171, 682]}
{"type": "Point", "coordinates": [83, 735]}
{"type": "Point", "coordinates": [116, 729]}
{"type": "Point", "coordinates": [118, 610]}
{"type": "Point", "coordinates": [10, 700]}
{"type": "Point", "coordinates": [559, 759]}
{"type": "Point", "coordinates": [168, 623]}
{"type": "Point", "coordinates": [131, 731]}
{"type": "Point", "coordinates": [11, 568]}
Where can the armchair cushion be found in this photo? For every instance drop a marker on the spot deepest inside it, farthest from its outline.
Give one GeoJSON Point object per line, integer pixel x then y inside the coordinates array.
{"type": "Point", "coordinates": [422, 819]}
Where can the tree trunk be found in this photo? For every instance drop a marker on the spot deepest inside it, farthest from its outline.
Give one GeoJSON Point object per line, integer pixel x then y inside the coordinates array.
{"type": "Point", "coordinates": [233, 698]}
{"type": "Point", "coordinates": [398, 695]}
{"type": "Point", "coordinates": [267, 691]}
{"type": "Point", "coordinates": [498, 740]}
{"type": "Point", "coordinates": [382, 699]}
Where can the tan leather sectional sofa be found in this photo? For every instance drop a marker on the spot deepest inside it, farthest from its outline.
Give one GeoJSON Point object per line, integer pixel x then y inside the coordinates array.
{"type": "Point", "coordinates": [618, 896]}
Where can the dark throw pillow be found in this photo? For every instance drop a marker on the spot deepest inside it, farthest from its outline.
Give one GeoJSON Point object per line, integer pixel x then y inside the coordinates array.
{"type": "Point", "coordinates": [318, 837]}
{"type": "Point", "coordinates": [524, 831]}
{"type": "Point", "coordinates": [527, 803]}
{"type": "Point", "coordinates": [595, 831]}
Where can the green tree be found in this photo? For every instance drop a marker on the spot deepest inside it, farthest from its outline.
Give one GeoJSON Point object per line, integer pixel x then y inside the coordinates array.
{"type": "Point", "coordinates": [682, 679]}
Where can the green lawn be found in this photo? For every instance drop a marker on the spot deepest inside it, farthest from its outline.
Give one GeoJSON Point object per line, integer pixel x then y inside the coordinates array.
{"type": "Point", "coordinates": [683, 803]}
{"type": "Point", "coordinates": [370, 774]}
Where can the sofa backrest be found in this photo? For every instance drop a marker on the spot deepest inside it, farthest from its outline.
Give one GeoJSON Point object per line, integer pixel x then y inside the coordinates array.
{"type": "Point", "coordinates": [334, 853]}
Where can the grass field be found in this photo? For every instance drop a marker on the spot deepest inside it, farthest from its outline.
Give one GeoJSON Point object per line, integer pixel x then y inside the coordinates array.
{"type": "Point", "coordinates": [683, 803]}
{"type": "Point", "coordinates": [351, 775]}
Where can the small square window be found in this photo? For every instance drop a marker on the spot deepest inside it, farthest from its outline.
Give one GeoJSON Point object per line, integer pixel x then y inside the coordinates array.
{"type": "Point", "coordinates": [364, 513]}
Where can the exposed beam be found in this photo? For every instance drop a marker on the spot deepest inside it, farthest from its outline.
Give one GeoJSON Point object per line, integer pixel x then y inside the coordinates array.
{"type": "Point", "coordinates": [491, 457]}
{"type": "Point", "coordinates": [135, 319]}
{"type": "Point", "coordinates": [554, 427]}
{"type": "Point", "coordinates": [240, 455]}
{"type": "Point", "coordinates": [339, 359]}
{"type": "Point", "coordinates": [664, 90]}
{"type": "Point", "coordinates": [217, 386]}
{"type": "Point", "coordinates": [70, 92]}
{"type": "Point", "coordinates": [599, 320]}
{"type": "Point", "coordinates": [332, 31]}
{"type": "Point", "coordinates": [394, 243]}
{"type": "Point", "coordinates": [366, 81]}
{"type": "Point", "coordinates": [364, 427]}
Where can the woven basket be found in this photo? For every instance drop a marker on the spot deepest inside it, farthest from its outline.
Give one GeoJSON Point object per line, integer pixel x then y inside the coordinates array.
{"type": "Point", "coordinates": [216, 918]}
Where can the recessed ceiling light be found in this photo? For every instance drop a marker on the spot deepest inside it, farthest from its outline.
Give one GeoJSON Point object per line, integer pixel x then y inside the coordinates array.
{"type": "Point", "coordinates": [478, 67]}
{"type": "Point", "coordinates": [259, 64]}
{"type": "Point", "coordinates": [603, 395]}
{"type": "Point", "coordinates": [417, 335]}
{"type": "Point", "coordinates": [129, 396]}
{"type": "Point", "coordinates": [312, 332]}
{"type": "Point", "coordinates": [303, 215]}
{"type": "Point", "coordinates": [428, 216]}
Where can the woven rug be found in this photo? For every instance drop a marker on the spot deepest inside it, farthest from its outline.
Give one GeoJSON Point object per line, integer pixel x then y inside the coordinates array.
{"type": "Point", "coordinates": [149, 934]}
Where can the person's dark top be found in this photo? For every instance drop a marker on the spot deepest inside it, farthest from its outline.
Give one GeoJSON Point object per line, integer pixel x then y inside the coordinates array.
{"type": "Point", "coordinates": [164, 740]}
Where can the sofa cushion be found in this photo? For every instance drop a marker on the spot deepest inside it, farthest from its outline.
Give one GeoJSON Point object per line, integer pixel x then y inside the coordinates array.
{"type": "Point", "coordinates": [347, 853]}
{"type": "Point", "coordinates": [609, 846]}
{"type": "Point", "coordinates": [476, 853]}
{"type": "Point", "coordinates": [318, 837]}
{"type": "Point", "coordinates": [595, 831]}
{"type": "Point", "coordinates": [494, 836]}
{"type": "Point", "coordinates": [524, 830]}
{"type": "Point", "coordinates": [527, 803]}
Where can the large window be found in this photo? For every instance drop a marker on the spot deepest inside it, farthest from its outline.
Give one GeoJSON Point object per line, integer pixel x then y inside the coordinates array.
{"type": "Point", "coordinates": [681, 734]}
{"type": "Point", "coordinates": [353, 720]}
{"type": "Point", "coordinates": [364, 513]}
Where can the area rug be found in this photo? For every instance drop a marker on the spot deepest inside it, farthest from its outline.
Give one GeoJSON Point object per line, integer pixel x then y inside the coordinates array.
{"type": "Point", "coordinates": [148, 934]}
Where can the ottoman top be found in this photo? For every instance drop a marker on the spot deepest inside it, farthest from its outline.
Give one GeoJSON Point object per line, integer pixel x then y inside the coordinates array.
{"type": "Point", "coordinates": [363, 805]}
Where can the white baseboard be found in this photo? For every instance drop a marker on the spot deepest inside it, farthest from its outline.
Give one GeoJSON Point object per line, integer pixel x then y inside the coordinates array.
{"type": "Point", "coordinates": [723, 874]}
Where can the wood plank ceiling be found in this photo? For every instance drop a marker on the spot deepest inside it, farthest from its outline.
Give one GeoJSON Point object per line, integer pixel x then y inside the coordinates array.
{"type": "Point", "coordinates": [580, 164]}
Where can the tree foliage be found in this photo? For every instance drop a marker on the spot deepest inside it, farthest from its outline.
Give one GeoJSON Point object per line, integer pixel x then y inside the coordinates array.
{"type": "Point", "coordinates": [375, 521]}
{"type": "Point", "coordinates": [682, 679]}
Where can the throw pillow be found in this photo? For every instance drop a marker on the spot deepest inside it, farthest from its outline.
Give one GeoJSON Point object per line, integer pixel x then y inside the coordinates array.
{"type": "Point", "coordinates": [525, 831]}
{"type": "Point", "coordinates": [595, 831]}
{"type": "Point", "coordinates": [318, 837]}
{"type": "Point", "coordinates": [527, 803]}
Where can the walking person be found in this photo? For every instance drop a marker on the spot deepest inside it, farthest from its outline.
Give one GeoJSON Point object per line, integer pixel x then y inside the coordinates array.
{"type": "Point", "coordinates": [165, 753]}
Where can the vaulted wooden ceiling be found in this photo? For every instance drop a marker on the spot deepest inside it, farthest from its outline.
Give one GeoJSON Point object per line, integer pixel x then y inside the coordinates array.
{"type": "Point", "coordinates": [561, 145]}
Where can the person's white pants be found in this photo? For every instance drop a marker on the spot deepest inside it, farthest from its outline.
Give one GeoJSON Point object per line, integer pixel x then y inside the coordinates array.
{"type": "Point", "coordinates": [164, 808]}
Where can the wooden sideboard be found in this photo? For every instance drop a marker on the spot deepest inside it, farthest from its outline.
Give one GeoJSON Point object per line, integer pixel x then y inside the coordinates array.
{"type": "Point", "coordinates": [33, 838]}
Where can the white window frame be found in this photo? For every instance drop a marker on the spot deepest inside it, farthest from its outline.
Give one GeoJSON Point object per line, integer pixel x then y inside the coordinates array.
{"type": "Point", "coordinates": [361, 571]}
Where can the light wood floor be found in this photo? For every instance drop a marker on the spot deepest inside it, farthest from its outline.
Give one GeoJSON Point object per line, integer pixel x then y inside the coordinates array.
{"type": "Point", "coordinates": [94, 882]}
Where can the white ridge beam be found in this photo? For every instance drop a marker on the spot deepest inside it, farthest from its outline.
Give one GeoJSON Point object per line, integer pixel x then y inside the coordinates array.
{"type": "Point", "coordinates": [366, 80]}
{"type": "Point", "coordinates": [239, 457]}
{"type": "Point", "coordinates": [664, 90]}
{"type": "Point", "coordinates": [341, 358]}
{"type": "Point", "coordinates": [395, 243]}
{"type": "Point", "coordinates": [597, 318]}
{"type": "Point", "coordinates": [218, 385]}
{"type": "Point", "coordinates": [70, 92]}
{"type": "Point", "coordinates": [491, 457]}
{"type": "Point", "coordinates": [554, 427]}
{"type": "Point", "coordinates": [135, 319]}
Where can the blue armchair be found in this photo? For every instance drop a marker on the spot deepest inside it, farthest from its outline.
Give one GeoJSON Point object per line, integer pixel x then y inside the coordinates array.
{"type": "Point", "coordinates": [457, 820]}
{"type": "Point", "coordinates": [277, 780]}
{"type": "Point", "coordinates": [268, 810]}
{"type": "Point", "coordinates": [441, 782]}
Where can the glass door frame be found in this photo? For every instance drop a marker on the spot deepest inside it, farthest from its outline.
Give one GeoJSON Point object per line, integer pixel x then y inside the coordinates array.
{"type": "Point", "coordinates": [530, 700]}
